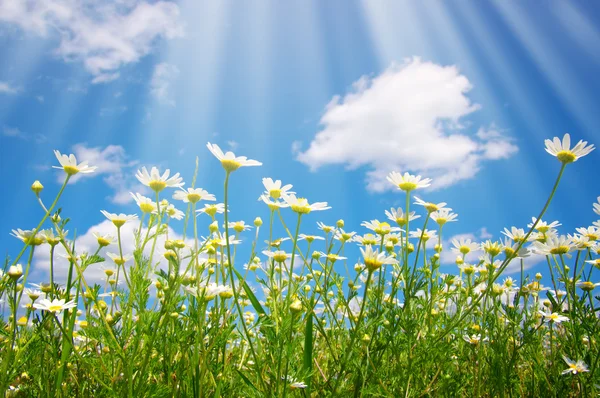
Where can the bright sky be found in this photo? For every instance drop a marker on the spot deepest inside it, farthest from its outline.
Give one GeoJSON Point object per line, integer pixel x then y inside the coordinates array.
{"type": "Point", "coordinates": [329, 96]}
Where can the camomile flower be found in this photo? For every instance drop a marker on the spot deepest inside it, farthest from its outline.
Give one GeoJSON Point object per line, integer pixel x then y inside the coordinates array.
{"type": "Point", "coordinates": [380, 228]}
{"type": "Point", "coordinates": [367, 239]}
{"type": "Point", "coordinates": [145, 204]}
{"type": "Point", "coordinates": [597, 206]}
{"type": "Point", "coordinates": [581, 242]}
{"type": "Point", "coordinates": [274, 188]}
{"type": "Point", "coordinates": [407, 182]}
{"type": "Point", "coordinates": [510, 249]}
{"type": "Point", "coordinates": [158, 182]}
{"type": "Point", "coordinates": [279, 255]}
{"type": "Point", "coordinates": [554, 245]}
{"type": "Point", "coordinates": [301, 205]}
{"type": "Point", "coordinates": [229, 161]}
{"type": "Point", "coordinates": [344, 236]}
{"type": "Point", "coordinates": [443, 216]}
{"type": "Point", "coordinates": [516, 234]}
{"type": "Point", "coordinates": [298, 385]}
{"type": "Point", "coordinates": [193, 195]}
{"type": "Point", "coordinates": [103, 240]}
{"type": "Point", "coordinates": [118, 259]}
{"type": "Point", "coordinates": [587, 286]}
{"type": "Point", "coordinates": [50, 238]}
{"type": "Point", "coordinates": [464, 246]}
{"type": "Point", "coordinates": [276, 242]}
{"type": "Point", "coordinates": [175, 213]}
{"type": "Point", "coordinates": [474, 339]}
{"type": "Point", "coordinates": [119, 219]}
{"type": "Point", "coordinates": [431, 207]}
{"type": "Point", "coordinates": [325, 228]}
{"type": "Point", "coordinates": [574, 367]}
{"type": "Point", "coordinates": [374, 260]}
{"type": "Point", "coordinates": [33, 294]}
{"type": "Point", "coordinates": [332, 257]}
{"type": "Point", "coordinates": [273, 204]}
{"type": "Point", "coordinates": [212, 209]}
{"type": "Point", "coordinates": [553, 317]}
{"type": "Point", "coordinates": [426, 234]}
{"type": "Point", "coordinates": [70, 166]}
{"type": "Point", "coordinates": [54, 306]}
{"type": "Point", "coordinates": [592, 233]}
{"type": "Point", "coordinates": [27, 237]}
{"type": "Point", "coordinates": [543, 226]}
{"type": "Point", "coordinates": [239, 226]}
{"type": "Point", "coordinates": [398, 216]}
{"type": "Point", "coordinates": [232, 241]}
{"type": "Point", "coordinates": [595, 263]}
{"type": "Point", "coordinates": [564, 153]}
{"type": "Point", "coordinates": [309, 238]}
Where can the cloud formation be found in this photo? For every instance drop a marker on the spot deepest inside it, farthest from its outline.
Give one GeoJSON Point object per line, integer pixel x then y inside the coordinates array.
{"type": "Point", "coordinates": [6, 88]}
{"type": "Point", "coordinates": [103, 36]}
{"type": "Point", "coordinates": [160, 85]}
{"type": "Point", "coordinates": [409, 118]}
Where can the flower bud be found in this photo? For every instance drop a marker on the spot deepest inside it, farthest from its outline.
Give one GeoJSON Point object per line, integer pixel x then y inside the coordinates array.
{"type": "Point", "coordinates": [340, 223]}
{"type": "Point", "coordinates": [37, 187]}
{"type": "Point", "coordinates": [258, 222]}
{"type": "Point", "coordinates": [15, 271]}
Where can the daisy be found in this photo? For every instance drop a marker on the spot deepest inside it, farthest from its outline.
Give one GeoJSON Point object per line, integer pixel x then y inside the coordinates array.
{"type": "Point", "coordinates": [587, 286]}
{"type": "Point", "coordinates": [309, 238]}
{"type": "Point", "coordinates": [279, 255]}
{"type": "Point", "coordinates": [145, 204]}
{"type": "Point", "coordinates": [408, 182]}
{"type": "Point", "coordinates": [118, 259]}
{"type": "Point", "coordinates": [50, 238]}
{"type": "Point", "coordinates": [344, 236]}
{"type": "Point", "coordinates": [431, 207]}
{"type": "Point", "coordinates": [564, 153]}
{"type": "Point", "coordinates": [103, 240]}
{"type": "Point", "coordinates": [554, 317]}
{"type": "Point", "coordinates": [464, 246]}
{"type": "Point", "coordinates": [474, 339]}
{"type": "Point", "coordinates": [273, 204]}
{"type": "Point", "coordinates": [325, 228]}
{"type": "Point", "coordinates": [193, 195]}
{"type": "Point", "coordinates": [426, 234]}
{"type": "Point", "coordinates": [15, 271]}
{"type": "Point", "coordinates": [274, 188]}
{"type": "Point", "coordinates": [380, 228]}
{"type": "Point", "coordinates": [229, 161]}
{"type": "Point", "coordinates": [70, 166]}
{"type": "Point", "coordinates": [301, 205]}
{"type": "Point", "coordinates": [516, 234]}
{"type": "Point", "coordinates": [367, 239]}
{"type": "Point", "coordinates": [443, 216]}
{"type": "Point", "coordinates": [119, 219]}
{"type": "Point", "coordinates": [597, 206]}
{"type": "Point", "coordinates": [592, 233]}
{"type": "Point", "coordinates": [374, 260]}
{"type": "Point", "coordinates": [156, 182]}
{"type": "Point", "coordinates": [54, 306]}
{"type": "Point", "coordinates": [212, 210]}
{"type": "Point", "coordinates": [332, 257]}
{"type": "Point", "coordinates": [543, 226]}
{"type": "Point", "coordinates": [554, 245]}
{"type": "Point", "coordinates": [398, 216]}
{"type": "Point", "coordinates": [575, 367]}
{"type": "Point", "coordinates": [27, 237]}
{"type": "Point", "coordinates": [175, 213]}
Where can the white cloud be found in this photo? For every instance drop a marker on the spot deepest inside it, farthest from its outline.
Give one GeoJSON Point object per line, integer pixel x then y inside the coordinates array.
{"type": "Point", "coordinates": [160, 85]}
{"type": "Point", "coordinates": [6, 88]}
{"type": "Point", "coordinates": [103, 36]}
{"type": "Point", "coordinates": [14, 132]}
{"type": "Point", "coordinates": [113, 164]}
{"type": "Point", "coordinates": [233, 145]}
{"type": "Point", "coordinates": [409, 118]}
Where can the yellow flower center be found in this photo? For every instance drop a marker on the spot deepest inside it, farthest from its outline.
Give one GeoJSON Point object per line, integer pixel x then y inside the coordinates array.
{"type": "Point", "coordinates": [566, 156]}
{"type": "Point", "coordinates": [71, 170]}
{"type": "Point", "coordinates": [157, 185]}
{"type": "Point", "coordinates": [230, 165]}
{"type": "Point", "coordinates": [373, 264]}
{"type": "Point", "coordinates": [55, 308]}
{"type": "Point", "coordinates": [587, 286]}
{"type": "Point", "coordinates": [193, 197]}
{"type": "Point", "coordinates": [118, 222]}
{"type": "Point", "coordinates": [559, 250]}
{"type": "Point", "coordinates": [146, 207]}
{"type": "Point", "coordinates": [301, 206]}
{"type": "Point", "coordinates": [280, 257]}
{"type": "Point", "coordinates": [275, 193]}
{"type": "Point", "coordinates": [407, 186]}
{"type": "Point", "coordinates": [383, 228]}
{"type": "Point", "coordinates": [464, 249]}
{"type": "Point", "coordinates": [211, 210]}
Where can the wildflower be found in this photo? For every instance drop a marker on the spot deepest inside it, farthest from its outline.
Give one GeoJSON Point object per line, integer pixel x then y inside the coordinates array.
{"type": "Point", "coordinates": [398, 216]}
{"type": "Point", "coordinates": [279, 256]}
{"type": "Point", "coordinates": [156, 182]}
{"type": "Point", "coordinates": [119, 219]}
{"type": "Point", "coordinates": [309, 238]}
{"type": "Point", "coordinates": [212, 210]}
{"type": "Point", "coordinates": [54, 306]}
{"type": "Point", "coordinates": [239, 226]}
{"type": "Point", "coordinates": [333, 257]}
{"type": "Point", "coordinates": [443, 216]}
{"type": "Point", "coordinates": [274, 188]}
{"type": "Point", "coordinates": [15, 271]}
{"type": "Point", "coordinates": [27, 237]}
{"type": "Point", "coordinates": [554, 317]}
{"type": "Point", "coordinates": [408, 182]}
{"type": "Point", "coordinates": [423, 234]}
{"type": "Point", "coordinates": [118, 259]}
{"type": "Point", "coordinates": [380, 228]}
{"type": "Point", "coordinates": [229, 161]}
{"type": "Point", "coordinates": [325, 228]}
{"type": "Point", "coordinates": [564, 153]}
{"type": "Point", "coordinates": [193, 195]}
{"type": "Point", "coordinates": [543, 226]}
{"type": "Point", "coordinates": [516, 234]}
{"type": "Point", "coordinates": [367, 239]}
{"type": "Point", "coordinates": [491, 248]}
{"type": "Point", "coordinates": [464, 246]}
{"type": "Point", "coordinates": [70, 166]}
{"type": "Point", "coordinates": [33, 294]}
{"type": "Point", "coordinates": [301, 205]}
{"type": "Point", "coordinates": [175, 213]}
{"type": "Point", "coordinates": [374, 260]}
{"type": "Point", "coordinates": [587, 286]}
{"type": "Point", "coordinates": [431, 207]}
{"type": "Point", "coordinates": [298, 384]}
{"type": "Point", "coordinates": [50, 238]}
{"type": "Point", "coordinates": [575, 367]}
{"type": "Point", "coordinates": [145, 204]}
{"type": "Point", "coordinates": [296, 306]}
{"type": "Point", "coordinates": [474, 339]}
{"type": "Point", "coordinates": [344, 236]}
{"type": "Point", "coordinates": [258, 222]}
{"type": "Point", "coordinates": [597, 206]}
{"type": "Point", "coordinates": [554, 245]}
{"type": "Point", "coordinates": [37, 187]}
{"type": "Point", "coordinates": [592, 233]}
{"type": "Point", "coordinates": [510, 249]}
{"type": "Point", "coordinates": [103, 240]}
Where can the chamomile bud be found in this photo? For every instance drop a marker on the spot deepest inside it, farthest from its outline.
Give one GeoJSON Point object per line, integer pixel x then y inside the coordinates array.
{"type": "Point", "coordinates": [258, 222]}
{"type": "Point", "coordinates": [37, 187]}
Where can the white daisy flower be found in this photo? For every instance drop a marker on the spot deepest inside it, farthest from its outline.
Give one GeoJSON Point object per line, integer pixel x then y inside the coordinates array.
{"type": "Point", "coordinates": [275, 190]}
{"type": "Point", "coordinates": [431, 207]}
{"type": "Point", "coordinates": [398, 216]}
{"type": "Point", "coordinates": [27, 237]}
{"type": "Point", "coordinates": [212, 210]}
{"type": "Point", "coordinates": [464, 246]}
{"type": "Point", "coordinates": [193, 195]}
{"type": "Point", "coordinates": [175, 213]}
{"type": "Point", "coordinates": [575, 367]}
{"type": "Point", "coordinates": [156, 182]}
{"type": "Point", "coordinates": [597, 206]}
{"type": "Point", "coordinates": [119, 219]}
{"type": "Point", "coordinates": [301, 205]}
{"type": "Point", "coordinates": [70, 166]}
{"type": "Point", "coordinates": [543, 226]}
{"type": "Point", "coordinates": [408, 182]}
{"type": "Point", "coordinates": [54, 306]}
{"type": "Point", "coordinates": [229, 161]}
{"type": "Point", "coordinates": [145, 204]}
{"type": "Point", "coordinates": [564, 153]}
{"type": "Point", "coordinates": [374, 260]}
{"type": "Point", "coordinates": [443, 216]}
{"type": "Point", "coordinates": [554, 245]}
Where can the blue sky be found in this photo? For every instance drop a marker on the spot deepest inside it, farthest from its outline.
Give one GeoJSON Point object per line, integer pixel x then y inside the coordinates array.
{"type": "Point", "coordinates": [330, 96]}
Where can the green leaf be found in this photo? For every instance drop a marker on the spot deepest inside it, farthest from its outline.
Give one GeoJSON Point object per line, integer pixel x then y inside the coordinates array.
{"type": "Point", "coordinates": [308, 342]}
{"type": "Point", "coordinates": [246, 380]}
{"type": "Point", "coordinates": [251, 296]}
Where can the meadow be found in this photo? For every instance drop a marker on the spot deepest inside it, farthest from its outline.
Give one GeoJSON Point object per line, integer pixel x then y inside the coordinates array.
{"type": "Point", "coordinates": [297, 317]}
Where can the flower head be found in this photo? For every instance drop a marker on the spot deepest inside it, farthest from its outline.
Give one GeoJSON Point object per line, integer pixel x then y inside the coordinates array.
{"type": "Point", "coordinates": [574, 367]}
{"type": "Point", "coordinates": [70, 166]}
{"type": "Point", "coordinates": [28, 237]}
{"type": "Point", "coordinates": [229, 161]}
{"type": "Point", "coordinates": [193, 195]}
{"type": "Point", "coordinates": [407, 182]}
{"type": "Point", "coordinates": [158, 182]}
{"type": "Point", "coordinates": [443, 216]}
{"type": "Point", "coordinates": [212, 210]}
{"type": "Point", "coordinates": [301, 205]}
{"type": "Point", "coordinates": [275, 190]}
{"type": "Point", "coordinates": [54, 306]}
{"type": "Point", "coordinates": [554, 317]}
{"type": "Point", "coordinates": [564, 153]}
{"type": "Point", "coordinates": [145, 204]}
{"type": "Point", "coordinates": [118, 219]}
{"type": "Point", "coordinates": [398, 216]}
{"type": "Point", "coordinates": [374, 260]}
